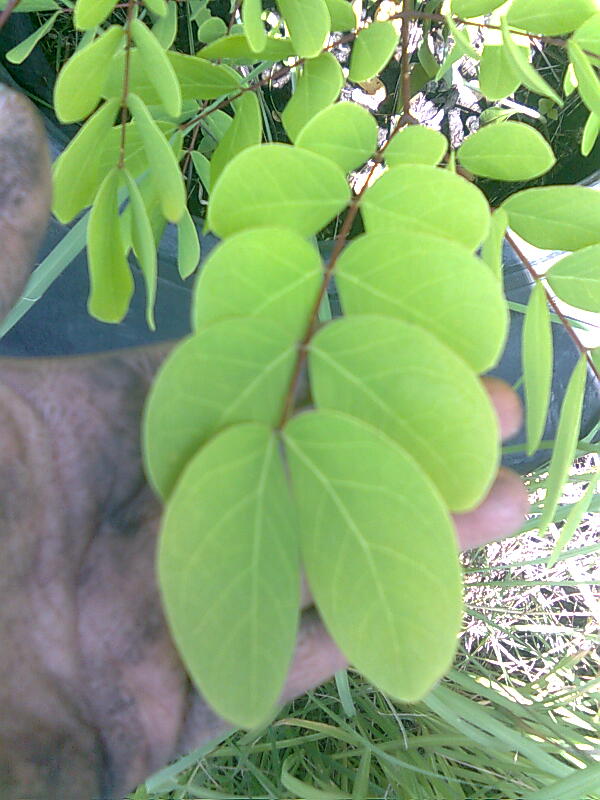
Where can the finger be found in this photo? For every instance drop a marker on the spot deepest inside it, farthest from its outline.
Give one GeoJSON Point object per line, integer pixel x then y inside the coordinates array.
{"type": "Point", "coordinates": [507, 404]}
{"type": "Point", "coordinates": [25, 192]}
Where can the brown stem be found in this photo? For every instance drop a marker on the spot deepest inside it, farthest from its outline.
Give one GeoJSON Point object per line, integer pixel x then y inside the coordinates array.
{"type": "Point", "coordinates": [236, 8]}
{"type": "Point", "coordinates": [407, 8]}
{"type": "Point", "coordinates": [10, 7]}
{"type": "Point", "coordinates": [130, 11]}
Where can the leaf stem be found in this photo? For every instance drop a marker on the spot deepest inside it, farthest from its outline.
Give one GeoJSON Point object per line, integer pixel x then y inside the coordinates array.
{"type": "Point", "coordinates": [407, 117]}
{"type": "Point", "coordinates": [126, 72]}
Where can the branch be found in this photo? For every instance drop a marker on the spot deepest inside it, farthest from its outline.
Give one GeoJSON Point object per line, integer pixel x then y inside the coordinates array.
{"type": "Point", "coordinates": [130, 11]}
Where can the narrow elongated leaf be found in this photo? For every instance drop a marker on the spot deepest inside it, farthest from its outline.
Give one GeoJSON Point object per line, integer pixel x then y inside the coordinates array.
{"type": "Point", "coordinates": [417, 197]}
{"type": "Point", "coordinates": [319, 86]}
{"type": "Point", "coordinates": [90, 13]}
{"type": "Point", "coordinates": [556, 217]}
{"type": "Point", "coordinates": [520, 64]}
{"type": "Point", "coordinates": [474, 8]}
{"type": "Point", "coordinates": [416, 144]}
{"type": "Point", "coordinates": [344, 133]}
{"type": "Point", "coordinates": [538, 359]}
{"type": "Point", "coordinates": [165, 172]}
{"type": "Point", "coordinates": [303, 789]}
{"type": "Point", "coordinates": [266, 272]}
{"type": "Point", "coordinates": [387, 586]}
{"type": "Point", "coordinates": [77, 173]}
{"type": "Point", "coordinates": [111, 283]}
{"type": "Point", "coordinates": [576, 279]}
{"type": "Point", "coordinates": [431, 282]}
{"type": "Point", "coordinates": [188, 245]}
{"type": "Point", "coordinates": [229, 572]}
{"type": "Point", "coordinates": [19, 53]}
{"type": "Point", "coordinates": [565, 443]}
{"type": "Point", "coordinates": [493, 246]}
{"type": "Point", "coordinates": [79, 84]}
{"type": "Point", "coordinates": [237, 47]}
{"type": "Point", "coordinates": [143, 245]}
{"type": "Point", "coordinates": [308, 22]}
{"type": "Point", "coordinates": [590, 134]}
{"type": "Point", "coordinates": [158, 68]}
{"type": "Point", "coordinates": [165, 30]}
{"type": "Point", "coordinates": [245, 131]}
{"type": "Point", "coordinates": [573, 521]}
{"type": "Point", "coordinates": [253, 24]}
{"type": "Point", "coordinates": [550, 19]}
{"type": "Point", "coordinates": [372, 49]}
{"type": "Point", "coordinates": [236, 370]}
{"type": "Point", "coordinates": [498, 77]}
{"type": "Point", "coordinates": [299, 189]}
{"type": "Point", "coordinates": [342, 15]}
{"type": "Point", "coordinates": [461, 39]}
{"type": "Point", "coordinates": [374, 367]}
{"type": "Point", "coordinates": [507, 151]}
{"type": "Point", "coordinates": [588, 84]}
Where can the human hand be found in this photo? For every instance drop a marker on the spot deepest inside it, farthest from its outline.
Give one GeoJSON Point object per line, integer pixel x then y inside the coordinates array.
{"type": "Point", "coordinates": [93, 694]}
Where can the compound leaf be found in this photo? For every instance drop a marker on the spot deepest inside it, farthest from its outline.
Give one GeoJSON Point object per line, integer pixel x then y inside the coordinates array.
{"type": "Point", "coordinates": [319, 85]}
{"type": "Point", "coordinates": [576, 279]}
{"type": "Point", "coordinates": [372, 49]}
{"type": "Point", "coordinates": [158, 68]}
{"type": "Point", "coordinates": [144, 247]}
{"type": "Point", "coordinates": [308, 22]}
{"type": "Point", "coordinates": [416, 144]}
{"type": "Point", "coordinates": [344, 133]}
{"type": "Point", "coordinates": [507, 151]}
{"type": "Point", "coordinates": [538, 357]}
{"type": "Point", "coordinates": [244, 131]}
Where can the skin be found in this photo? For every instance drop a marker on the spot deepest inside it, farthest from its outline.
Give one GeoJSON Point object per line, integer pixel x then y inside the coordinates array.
{"type": "Point", "coordinates": [93, 695]}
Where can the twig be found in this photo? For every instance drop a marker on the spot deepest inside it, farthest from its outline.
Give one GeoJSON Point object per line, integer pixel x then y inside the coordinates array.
{"type": "Point", "coordinates": [10, 7]}
{"type": "Point", "coordinates": [407, 117]}
{"type": "Point", "coordinates": [130, 11]}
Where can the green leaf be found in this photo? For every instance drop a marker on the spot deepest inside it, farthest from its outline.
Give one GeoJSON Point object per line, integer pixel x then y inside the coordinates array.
{"type": "Point", "coordinates": [550, 19]}
{"type": "Point", "coordinates": [19, 53]}
{"type": "Point", "coordinates": [188, 245]}
{"type": "Point", "coordinates": [235, 370]}
{"type": "Point", "coordinates": [519, 61]}
{"type": "Point", "coordinates": [498, 77]}
{"type": "Point", "coordinates": [461, 39]}
{"type": "Point", "coordinates": [143, 245]}
{"type": "Point", "coordinates": [299, 189]}
{"type": "Point", "coordinates": [237, 47]}
{"type": "Point", "coordinates": [202, 167]}
{"type": "Point", "coordinates": [416, 144]}
{"type": "Point", "coordinates": [538, 357]}
{"type": "Point", "coordinates": [303, 789]}
{"type": "Point", "coordinates": [165, 30]}
{"type": "Point", "coordinates": [90, 13]}
{"type": "Point", "coordinates": [26, 6]}
{"type": "Point", "coordinates": [375, 368]}
{"type": "Point", "coordinates": [212, 29]}
{"type": "Point", "coordinates": [431, 282]}
{"type": "Point", "coordinates": [555, 217]}
{"type": "Point", "coordinates": [342, 15]}
{"type": "Point", "coordinates": [590, 134]}
{"type": "Point", "coordinates": [588, 84]}
{"type": "Point", "coordinates": [344, 133]}
{"type": "Point", "coordinates": [308, 22]}
{"type": "Point", "coordinates": [573, 521]}
{"type": "Point", "coordinates": [372, 49]}
{"type": "Point", "coordinates": [151, 199]}
{"type": "Point", "coordinates": [165, 169]}
{"type": "Point", "coordinates": [576, 279]}
{"type": "Point", "coordinates": [565, 443]}
{"type": "Point", "coordinates": [588, 35]}
{"type": "Point", "coordinates": [474, 8]}
{"type": "Point", "coordinates": [434, 201]}
{"type": "Point", "coordinates": [507, 151]}
{"type": "Point", "coordinates": [492, 247]}
{"type": "Point", "coordinates": [388, 586]}
{"type": "Point", "coordinates": [253, 25]}
{"type": "Point", "coordinates": [76, 172]}
{"type": "Point", "coordinates": [111, 283]}
{"type": "Point", "coordinates": [158, 68]}
{"type": "Point", "coordinates": [157, 7]}
{"type": "Point", "coordinates": [245, 131]}
{"type": "Point", "coordinates": [319, 86]}
{"type": "Point", "coordinates": [229, 573]}
{"type": "Point", "coordinates": [270, 273]}
{"type": "Point", "coordinates": [136, 160]}
{"type": "Point", "coordinates": [79, 85]}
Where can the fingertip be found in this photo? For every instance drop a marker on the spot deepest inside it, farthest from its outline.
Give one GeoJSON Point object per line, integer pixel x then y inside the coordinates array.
{"type": "Point", "coordinates": [507, 404]}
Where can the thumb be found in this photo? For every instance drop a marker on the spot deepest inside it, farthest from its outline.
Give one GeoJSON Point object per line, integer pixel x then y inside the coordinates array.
{"type": "Point", "coordinates": [25, 192]}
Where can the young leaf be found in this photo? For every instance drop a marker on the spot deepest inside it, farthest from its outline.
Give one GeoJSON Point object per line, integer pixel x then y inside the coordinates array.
{"type": "Point", "coordinates": [90, 13]}
{"type": "Point", "coordinates": [573, 521]}
{"type": "Point", "coordinates": [507, 151]}
{"type": "Point", "coordinates": [565, 443]}
{"type": "Point", "coordinates": [229, 572]}
{"type": "Point", "coordinates": [319, 86]}
{"type": "Point", "coordinates": [79, 84]}
{"type": "Point", "coordinates": [492, 247]}
{"type": "Point", "coordinates": [389, 592]}
{"type": "Point", "coordinates": [237, 47]}
{"type": "Point", "coordinates": [372, 49]}
{"type": "Point", "coordinates": [165, 30]}
{"type": "Point", "coordinates": [235, 370]}
{"type": "Point", "coordinates": [497, 76]}
{"type": "Point", "coordinates": [588, 84]}
{"type": "Point", "coordinates": [520, 64]}
{"type": "Point", "coordinates": [474, 8]}
{"type": "Point", "coordinates": [374, 367]}
{"type": "Point", "coordinates": [342, 15]}
{"type": "Point", "coordinates": [344, 133]}
{"type": "Point", "coordinates": [253, 25]}
{"type": "Point", "coordinates": [19, 53]}
{"type": "Point", "coordinates": [417, 197]}
{"type": "Point", "coordinates": [416, 144]}
{"type": "Point", "coordinates": [245, 131]}
{"type": "Point", "coordinates": [165, 169]}
{"type": "Point", "coordinates": [576, 279]}
{"type": "Point", "coordinates": [111, 283]}
{"type": "Point", "coordinates": [301, 190]}
{"type": "Point", "coordinates": [158, 68]}
{"type": "Point", "coordinates": [308, 22]}
{"type": "Point", "coordinates": [538, 356]}
{"type": "Point", "coordinates": [77, 174]}
{"type": "Point", "coordinates": [431, 282]}
{"type": "Point", "coordinates": [590, 134]}
{"type": "Point", "coordinates": [143, 245]}
{"type": "Point", "coordinates": [157, 7]}
{"type": "Point", "coordinates": [270, 273]}
{"type": "Point", "coordinates": [188, 245]}
{"type": "Point", "coordinates": [556, 217]}
{"type": "Point", "coordinates": [550, 19]}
